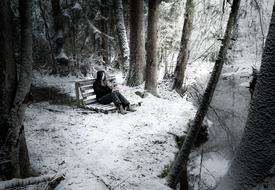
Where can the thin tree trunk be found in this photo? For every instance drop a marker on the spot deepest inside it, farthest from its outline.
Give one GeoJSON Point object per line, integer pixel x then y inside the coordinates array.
{"type": "Point", "coordinates": [104, 9]}
{"type": "Point", "coordinates": [137, 43]}
{"type": "Point", "coordinates": [48, 37]}
{"type": "Point", "coordinates": [151, 78]}
{"type": "Point", "coordinates": [255, 155]}
{"type": "Point", "coordinates": [182, 157]}
{"type": "Point", "coordinates": [59, 27]}
{"type": "Point", "coordinates": [122, 35]}
{"type": "Point", "coordinates": [185, 43]}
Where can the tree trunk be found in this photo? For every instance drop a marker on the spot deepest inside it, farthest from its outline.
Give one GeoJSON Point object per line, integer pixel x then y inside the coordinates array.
{"type": "Point", "coordinates": [122, 35]}
{"type": "Point", "coordinates": [255, 155]}
{"type": "Point", "coordinates": [182, 157]}
{"type": "Point", "coordinates": [151, 77]}
{"type": "Point", "coordinates": [8, 79]}
{"type": "Point", "coordinates": [42, 8]}
{"type": "Point", "coordinates": [59, 28]}
{"type": "Point", "coordinates": [104, 9]}
{"type": "Point", "coordinates": [137, 43]}
{"type": "Point", "coordinates": [185, 43]}
{"type": "Point", "coordinates": [23, 88]}
{"type": "Point", "coordinates": [15, 145]}
{"type": "Point", "coordinates": [184, 180]}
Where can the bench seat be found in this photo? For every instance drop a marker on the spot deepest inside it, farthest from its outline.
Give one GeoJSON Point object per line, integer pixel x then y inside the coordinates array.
{"type": "Point", "coordinates": [86, 98]}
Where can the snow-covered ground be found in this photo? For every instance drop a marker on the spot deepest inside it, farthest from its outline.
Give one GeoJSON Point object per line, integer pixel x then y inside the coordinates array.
{"type": "Point", "coordinates": [110, 151]}
{"type": "Point", "coordinates": [97, 150]}
{"type": "Point", "coordinates": [113, 151]}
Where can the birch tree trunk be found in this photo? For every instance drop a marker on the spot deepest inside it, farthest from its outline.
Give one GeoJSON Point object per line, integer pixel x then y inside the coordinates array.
{"type": "Point", "coordinates": [180, 163]}
{"type": "Point", "coordinates": [137, 43]}
{"type": "Point", "coordinates": [184, 48]}
{"type": "Point", "coordinates": [255, 155]}
{"type": "Point", "coordinates": [122, 35]}
{"type": "Point", "coordinates": [14, 146]}
{"type": "Point", "coordinates": [151, 77]}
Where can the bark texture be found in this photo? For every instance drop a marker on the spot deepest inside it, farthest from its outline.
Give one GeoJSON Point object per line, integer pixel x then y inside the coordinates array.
{"type": "Point", "coordinates": [182, 157]}
{"type": "Point", "coordinates": [7, 60]}
{"type": "Point", "coordinates": [122, 35]}
{"type": "Point", "coordinates": [7, 85]}
{"type": "Point", "coordinates": [23, 88]}
{"type": "Point", "coordinates": [256, 152]}
{"type": "Point", "coordinates": [137, 44]}
{"type": "Point", "coordinates": [151, 77]}
{"type": "Point", "coordinates": [185, 43]}
{"type": "Point", "coordinates": [13, 142]}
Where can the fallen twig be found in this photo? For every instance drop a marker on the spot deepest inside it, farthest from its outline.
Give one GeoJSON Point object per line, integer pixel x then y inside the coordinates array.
{"type": "Point", "coordinates": [102, 181]}
{"type": "Point", "coordinates": [117, 185]}
{"type": "Point", "coordinates": [54, 182]}
{"type": "Point", "coordinates": [65, 111]}
{"type": "Point", "coordinates": [54, 110]}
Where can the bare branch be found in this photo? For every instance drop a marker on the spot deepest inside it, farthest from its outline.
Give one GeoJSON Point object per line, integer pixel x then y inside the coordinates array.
{"type": "Point", "coordinates": [96, 30]}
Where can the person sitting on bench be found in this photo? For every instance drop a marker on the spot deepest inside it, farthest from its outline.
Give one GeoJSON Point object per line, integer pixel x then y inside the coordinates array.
{"type": "Point", "coordinates": [106, 95]}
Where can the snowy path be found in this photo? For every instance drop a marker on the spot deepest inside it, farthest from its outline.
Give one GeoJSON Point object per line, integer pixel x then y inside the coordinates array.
{"type": "Point", "coordinates": [122, 151]}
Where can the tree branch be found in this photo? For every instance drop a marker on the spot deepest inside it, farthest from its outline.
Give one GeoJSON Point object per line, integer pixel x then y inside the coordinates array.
{"type": "Point", "coordinates": [96, 30]}
{"type": "Point", "coordinates": [16, 182]}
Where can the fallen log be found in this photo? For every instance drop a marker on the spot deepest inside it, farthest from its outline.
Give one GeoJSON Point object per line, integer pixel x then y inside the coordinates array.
{"type": "Point", "coordinates": [17, 182]}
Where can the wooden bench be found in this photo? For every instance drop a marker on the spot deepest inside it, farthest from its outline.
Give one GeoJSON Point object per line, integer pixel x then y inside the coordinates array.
{"type": "Point", "coordinates": [86, 98]}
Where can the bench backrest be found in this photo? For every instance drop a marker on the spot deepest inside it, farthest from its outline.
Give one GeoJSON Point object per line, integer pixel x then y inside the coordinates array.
{"type": "Point", "coordinates": [84, 91]}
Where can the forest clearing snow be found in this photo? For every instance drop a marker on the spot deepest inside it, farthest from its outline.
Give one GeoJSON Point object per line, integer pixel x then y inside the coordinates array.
{"type": "Point", "coordinates": [97, 150]}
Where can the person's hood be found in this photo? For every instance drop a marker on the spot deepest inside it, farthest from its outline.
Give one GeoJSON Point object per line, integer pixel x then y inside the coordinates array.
{"type": "Point", "coordinates": [99, 75]}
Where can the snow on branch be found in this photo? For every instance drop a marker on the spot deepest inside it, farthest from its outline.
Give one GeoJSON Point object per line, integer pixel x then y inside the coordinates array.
{"type": "Point", "coordinates": [16, 182]}
{"type": "Point", "coordinates": [96, 30]}
{"type": "Point", "coordinates": [99, 16]}
{"type": "Point", "coordinates": [77, 7]}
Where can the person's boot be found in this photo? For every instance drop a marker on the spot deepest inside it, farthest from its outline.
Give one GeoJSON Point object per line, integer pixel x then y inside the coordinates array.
{"type": "Point", "coordinates": [121, 110]}
{"type": "Point", "coordinates": [130, 108]}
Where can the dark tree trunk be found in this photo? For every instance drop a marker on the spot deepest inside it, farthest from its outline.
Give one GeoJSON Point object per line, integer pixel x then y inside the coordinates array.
{"type": "Point", "coordinates": [7, 86]}
{"type": "Point", "coordinates": [184, 180]}
{"type": "Point", "coordinates": [42, 8]}
{"type": "Point", "coordinates": [151, 77]}
{"type": "Point", "coordinates": [59, 28]}
{"type": "Point", "coordinates": [182, 157]}
{"type": "Point", "coordinates": [122, 35]}
{"type": "Point", "coordinates": [255, 155]}
{"type": "Point", "coordinates": [14, 145]}
{"type": "Point", "coordinates": [137, 43]}
{"type": "Point", "coordinates": [184, 49]}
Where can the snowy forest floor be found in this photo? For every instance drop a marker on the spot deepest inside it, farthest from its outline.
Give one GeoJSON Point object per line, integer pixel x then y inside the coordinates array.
{"type": "Point", "coordinates": [99, 151]}
{"type": "Point", "coordinates": [105, 151]}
